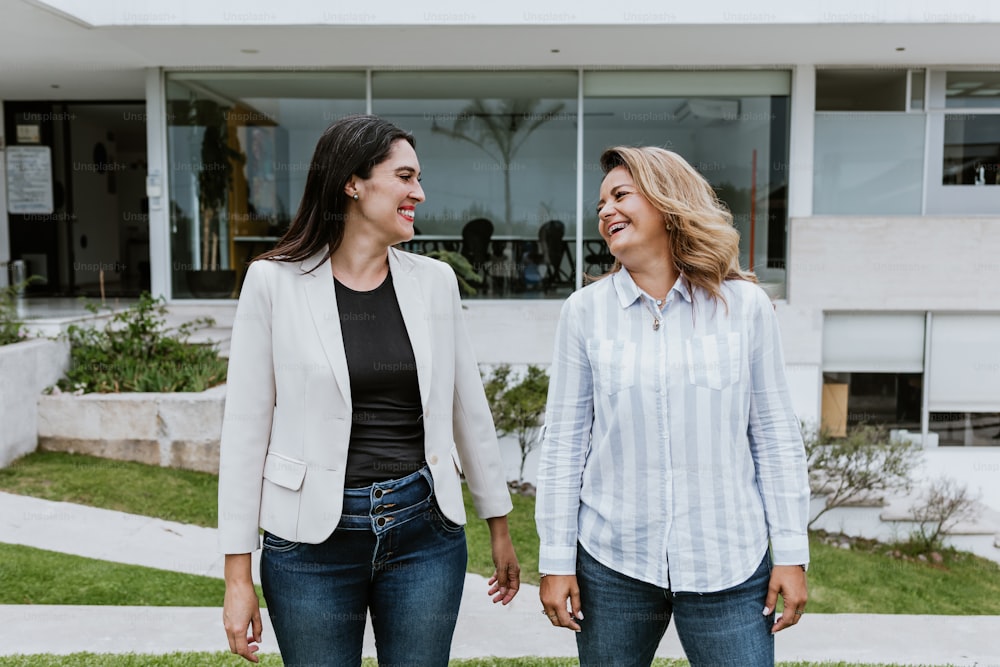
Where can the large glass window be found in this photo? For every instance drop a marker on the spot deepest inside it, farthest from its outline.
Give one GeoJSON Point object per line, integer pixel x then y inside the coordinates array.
{"type": "Point", "coordinates": [972, 90]}
{"type": "Point", "coordinates": [239, 149]}
{"type": "Point", "coordinates": [731, 126]}
{"type": "Point", "coordinates": [868, 163]}
{"type": "Point", "coordinates": [497, 151]}
{"type": "Point", "coordinates": [971, 149]}
{"type": "Point", "coordinates": [963, 143]}
{"type": "Point", "coordinates": [869, 145]}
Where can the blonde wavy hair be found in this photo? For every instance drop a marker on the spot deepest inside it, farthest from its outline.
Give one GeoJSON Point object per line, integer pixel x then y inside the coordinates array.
{"type": "Point", "coordinates": [703, 242]}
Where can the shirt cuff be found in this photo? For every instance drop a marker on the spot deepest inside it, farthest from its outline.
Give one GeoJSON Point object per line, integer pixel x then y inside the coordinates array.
{"type": "Point", "coordinates": [557, 560]}
{"type": "Point", "coordinates": [790, 550]}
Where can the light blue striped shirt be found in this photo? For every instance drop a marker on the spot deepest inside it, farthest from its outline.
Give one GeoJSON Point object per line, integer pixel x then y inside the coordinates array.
{"type": "Point", "coordinates": [671, 455]}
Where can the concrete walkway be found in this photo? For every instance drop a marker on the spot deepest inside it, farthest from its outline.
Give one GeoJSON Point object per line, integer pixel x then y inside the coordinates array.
{"type": "Point", "coordinates": [483, 629]}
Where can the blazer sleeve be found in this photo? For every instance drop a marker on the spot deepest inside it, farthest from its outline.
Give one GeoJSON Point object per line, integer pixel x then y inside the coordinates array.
{"type": "Point", "coordinates": [246, 426]}
{"type": "Point", "coordinates": [475, 434]}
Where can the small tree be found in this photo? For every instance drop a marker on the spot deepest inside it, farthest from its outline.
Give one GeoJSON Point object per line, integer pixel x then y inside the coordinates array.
{"type": "Point", "coordinates": [945, 504]}
{"type": "Point", "coordinates": [866, 463]}
{"type": "Point", "coordinates": [518, 406]}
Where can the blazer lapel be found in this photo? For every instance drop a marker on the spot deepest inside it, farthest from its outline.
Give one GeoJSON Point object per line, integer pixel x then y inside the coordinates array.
{"type": "Point", "coordinates": [415, 317]}
{"type": "Point", "coordinates": [322, 298]}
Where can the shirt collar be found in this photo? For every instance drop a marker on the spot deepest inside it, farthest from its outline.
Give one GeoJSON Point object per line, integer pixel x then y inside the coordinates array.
{"type": "Point", "coordinates": [628, 291]}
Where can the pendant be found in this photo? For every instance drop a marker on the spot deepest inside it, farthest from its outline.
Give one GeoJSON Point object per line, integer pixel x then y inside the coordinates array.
{"type": "Point", "coordinates": [656, 324]}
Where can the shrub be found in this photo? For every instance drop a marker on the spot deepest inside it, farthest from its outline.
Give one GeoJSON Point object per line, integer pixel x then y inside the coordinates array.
{"type": "Point", "coordinates": [864, 464]}
{"type": "Point", "coordinates": [135, 351]}
{"type": "Point", "coordinates": [944, 504]}
{"type": "Point", "coordinates": [518, 406]}
{"type": "Point", "coordinates": [11, 328]}
{"type": "Point", "coordinates": [468, 277]}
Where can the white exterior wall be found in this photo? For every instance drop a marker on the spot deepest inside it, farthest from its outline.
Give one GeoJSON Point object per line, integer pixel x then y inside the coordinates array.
{"type": "Point", "coordinates": [898, 263]}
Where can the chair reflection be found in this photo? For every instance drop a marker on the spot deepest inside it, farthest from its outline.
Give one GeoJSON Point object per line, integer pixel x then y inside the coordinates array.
{"type": "Point", "coordinates": [476, 235]}
{"type": "Point", "coordinates": [552, 249]}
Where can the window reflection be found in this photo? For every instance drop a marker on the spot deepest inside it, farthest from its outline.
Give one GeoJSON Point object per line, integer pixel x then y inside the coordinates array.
{"type": "Point", "coordinates": [239, 147]}
{"type": "Point", "coordinates": [497, 153]}
{"type": "Point", "coordinates": [738, 143]}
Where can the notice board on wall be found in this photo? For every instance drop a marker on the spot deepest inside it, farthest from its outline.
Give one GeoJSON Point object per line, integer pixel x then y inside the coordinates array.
{"type": "Point", "coordinates": [29, 180]}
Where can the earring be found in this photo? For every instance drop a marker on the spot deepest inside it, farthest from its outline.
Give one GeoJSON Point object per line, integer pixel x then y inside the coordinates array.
{"type": "Point", "coordinates": [355, 196]}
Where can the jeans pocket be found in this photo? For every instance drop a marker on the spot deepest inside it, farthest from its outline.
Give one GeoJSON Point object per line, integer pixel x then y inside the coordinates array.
{"type": "Point", "coordinates": [443, 523]}
{"type": "Point", "coordinates": [278, 544]}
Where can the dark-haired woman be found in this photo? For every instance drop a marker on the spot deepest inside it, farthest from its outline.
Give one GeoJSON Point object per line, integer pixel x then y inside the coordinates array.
{"type": "Point", "coordinates": [354, 402]}
{"type": "Point", "coordinates": [672, 479]}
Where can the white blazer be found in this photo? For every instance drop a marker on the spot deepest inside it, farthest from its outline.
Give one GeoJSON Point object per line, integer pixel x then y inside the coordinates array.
{"type": "Point", "coordinates": [287, 420]}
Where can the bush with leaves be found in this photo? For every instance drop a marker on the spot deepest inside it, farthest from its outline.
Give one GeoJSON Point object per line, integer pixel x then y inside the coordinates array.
{"type": "Point", "coordinates": [468, 278]}
{"type": "Point", "coordinates": [864, 465]}
{"type": "Point", "coordinates": [135, 351]}
{"type": "Point", "coordinates": [11, 327]}
{"type": "Point", "coordinates": [943, 505]}
{"type": "Point", "coordinates": [518, 405]}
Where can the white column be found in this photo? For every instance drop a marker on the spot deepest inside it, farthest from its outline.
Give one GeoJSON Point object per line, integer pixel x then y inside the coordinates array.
{"type": "Point", "coordinates": [800, 159]}
{"type": "Point", "coordinates": [4, 222]}
{"type": "Point", "coordinates": [801, 138]}
{"type": "Point", "coordinates": [157, 185]}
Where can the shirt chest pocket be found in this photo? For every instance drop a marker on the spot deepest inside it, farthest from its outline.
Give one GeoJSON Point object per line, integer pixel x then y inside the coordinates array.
{"type": "Point", "coordinates": [714, 361]}
{"type": "Point", "coordinates": [613, 364]}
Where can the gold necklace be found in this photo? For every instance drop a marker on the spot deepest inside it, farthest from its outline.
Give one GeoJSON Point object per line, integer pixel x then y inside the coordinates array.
{"type": "Point", "coordinates": [656, 319]}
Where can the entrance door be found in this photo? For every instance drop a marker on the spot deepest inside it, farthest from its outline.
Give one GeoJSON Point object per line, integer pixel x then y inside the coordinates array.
{"type": "Point", "coordinates": [95, 242]}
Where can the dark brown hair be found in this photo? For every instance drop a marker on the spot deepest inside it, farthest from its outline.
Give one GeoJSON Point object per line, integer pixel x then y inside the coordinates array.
{"type": "Point", "coordinates": [351, 146]}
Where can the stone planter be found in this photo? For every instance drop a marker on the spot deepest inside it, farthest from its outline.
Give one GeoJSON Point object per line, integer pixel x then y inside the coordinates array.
{"type": "Point", "coordinates": [178, 430]}
{"type": "Point", "coordinates": [25, 370]}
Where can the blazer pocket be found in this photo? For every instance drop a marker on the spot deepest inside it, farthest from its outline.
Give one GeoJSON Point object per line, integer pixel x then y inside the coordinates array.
{"type": "Point", "coordinates": [284, 472]}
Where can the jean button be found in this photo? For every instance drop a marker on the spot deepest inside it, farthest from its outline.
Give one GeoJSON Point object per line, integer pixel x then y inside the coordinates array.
{"type": "Point", "coordinates": [378, 493]}
{"type": "Point", "coordinates": [379, 509]}
{"type": "Point", "coordinates": [380, 521]}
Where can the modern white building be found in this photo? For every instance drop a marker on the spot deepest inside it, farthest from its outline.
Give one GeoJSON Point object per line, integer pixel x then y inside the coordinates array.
{"type": "Point", "coordinates": [857, 144]}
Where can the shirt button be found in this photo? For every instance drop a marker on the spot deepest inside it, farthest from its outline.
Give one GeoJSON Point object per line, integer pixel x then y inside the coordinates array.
{"type": "Point", "coordinates": [433, 459]}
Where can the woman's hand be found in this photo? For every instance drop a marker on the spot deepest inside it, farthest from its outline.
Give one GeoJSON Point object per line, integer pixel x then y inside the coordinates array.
{"type": "Point", "coordinates": [789, 581]}
{"type": "Point", "coordinates": [554, 591]}
{"type": "Point", "coordinates": [241, 608]}
{"type": "Point", "coordinates": [506, 579]}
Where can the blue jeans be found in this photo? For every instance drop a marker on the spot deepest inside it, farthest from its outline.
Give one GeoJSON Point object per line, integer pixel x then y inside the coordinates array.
{"type": "Point", "coordinates": [624, 620]}
{"type": "Point", "coordinates": [393, 554]}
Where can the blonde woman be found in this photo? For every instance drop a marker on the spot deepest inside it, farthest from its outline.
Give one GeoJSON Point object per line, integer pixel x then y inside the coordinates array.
{"type": "Point", "coordinates": [672, 479]}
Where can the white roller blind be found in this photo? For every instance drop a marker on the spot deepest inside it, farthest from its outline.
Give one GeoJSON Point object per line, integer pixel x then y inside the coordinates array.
{"type": "Point", "coordinates": [964, 363]}
{"type": "Point", "coordinates": [739, 83]}
{"type": "Point", "coordinates": [873, 343]}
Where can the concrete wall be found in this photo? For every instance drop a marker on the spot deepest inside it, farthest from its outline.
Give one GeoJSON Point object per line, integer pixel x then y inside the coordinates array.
{"type": "Point", "coordinates": [895, 263]}
{"type": "Point", "coordinates": [25, 370]}
{"type": "Point", "coordinates": [179, 430]}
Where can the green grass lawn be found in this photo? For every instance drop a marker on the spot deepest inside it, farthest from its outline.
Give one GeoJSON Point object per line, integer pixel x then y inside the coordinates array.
{"type": "Point", "coordinates": [166, 493]}
{"type": "Point", "coordinates": [272, 660]}
{"type": "Point", "coordinates": [840, 581]}
{"type": "Point", "coordinates": [34, 576]}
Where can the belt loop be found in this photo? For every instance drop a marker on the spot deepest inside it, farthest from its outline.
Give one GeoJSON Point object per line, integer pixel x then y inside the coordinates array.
{"type": "Point", "coordinates": [426, 473]}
